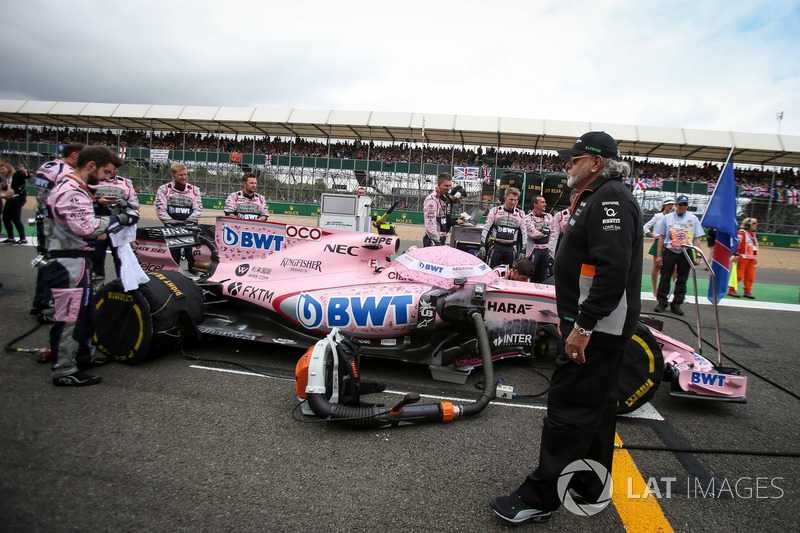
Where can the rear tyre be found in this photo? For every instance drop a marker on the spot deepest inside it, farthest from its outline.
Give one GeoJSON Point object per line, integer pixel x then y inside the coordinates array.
{"type": "Point", "coordinates": [149, 321]}
{"type": "Point", "coordinates": [641, 371]}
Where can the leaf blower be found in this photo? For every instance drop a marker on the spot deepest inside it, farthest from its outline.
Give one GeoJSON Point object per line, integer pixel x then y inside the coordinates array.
{"type": "Point", "coordinates": [327, 377]}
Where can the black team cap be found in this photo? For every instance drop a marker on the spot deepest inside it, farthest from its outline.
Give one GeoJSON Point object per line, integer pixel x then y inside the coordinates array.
{"type": "Point", "coordinates": [593, 143]}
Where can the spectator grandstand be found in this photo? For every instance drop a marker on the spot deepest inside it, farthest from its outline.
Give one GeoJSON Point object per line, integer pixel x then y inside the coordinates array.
{"type": "Point", "coordinates": [707, 172]}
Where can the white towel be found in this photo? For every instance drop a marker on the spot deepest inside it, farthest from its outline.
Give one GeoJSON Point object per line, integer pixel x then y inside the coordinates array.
{"type": "Point", "coordinates": [131, 274]}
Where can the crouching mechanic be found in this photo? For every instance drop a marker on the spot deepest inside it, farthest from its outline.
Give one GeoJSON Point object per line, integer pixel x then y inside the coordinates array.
{"type": "Point", "coordinates": [69, 273]}
{"type": "Point", "coordinates": [247, 204]}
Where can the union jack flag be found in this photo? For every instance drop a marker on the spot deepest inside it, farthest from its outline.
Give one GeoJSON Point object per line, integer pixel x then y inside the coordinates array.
{"type": "Point", "coordinates": [487, 175]}
{"type": "Point", "coordinates": [711, 187]}
{"type": "Point", "coordinates": [639, 184]}
{"type": "Point", "coordinates": [465, 173]}
{"type": "Point", "coordinates": [267, 160]}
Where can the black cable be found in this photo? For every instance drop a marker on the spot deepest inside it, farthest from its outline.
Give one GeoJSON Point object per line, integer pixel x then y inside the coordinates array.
{"type": "Point", "coordinates": [734, 361]}
{"type": "Point", "coordinates": [13, 341]}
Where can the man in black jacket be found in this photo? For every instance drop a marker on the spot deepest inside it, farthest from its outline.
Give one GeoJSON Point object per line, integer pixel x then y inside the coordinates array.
{"type": "Point", "coordinates": [598, 276]}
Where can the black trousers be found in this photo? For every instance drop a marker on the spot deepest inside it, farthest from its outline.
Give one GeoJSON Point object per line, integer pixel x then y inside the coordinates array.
{"type": "Point", "coordinates": [669, 260]}
{"type": "Point", "coordinates": [99, 257]}
{"type": "Point", "coordinates": [187, 251]}
{"type": "Point", "coordinates": [540, 257]}
{"type": "Point", "coordinates": [502, 254]}
{"type": "Point", "coordinates": [581, 423]}
{"type": "Point", "coordinates": [427, 241]}
{"type": "Point", "coordinates": [12, 216]}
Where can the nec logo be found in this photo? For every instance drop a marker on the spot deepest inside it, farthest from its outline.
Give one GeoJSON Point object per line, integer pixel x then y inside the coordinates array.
{"type": "Point", "coordinates": [342, 249]}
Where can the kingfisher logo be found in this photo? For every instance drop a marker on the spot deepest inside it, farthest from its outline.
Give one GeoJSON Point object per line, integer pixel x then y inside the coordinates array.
{"type": "Point", "coordinates": [251, 239]}
{"type": "Point", "coordinates": [361, 311]}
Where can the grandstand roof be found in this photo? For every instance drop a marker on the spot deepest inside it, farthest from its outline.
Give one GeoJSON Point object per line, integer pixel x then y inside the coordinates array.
{"type": "Point", "coordinates": [506, 132]}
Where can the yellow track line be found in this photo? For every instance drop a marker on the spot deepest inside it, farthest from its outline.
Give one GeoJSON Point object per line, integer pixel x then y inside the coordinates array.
{"type": "Point", "coordinates": [637, 513]}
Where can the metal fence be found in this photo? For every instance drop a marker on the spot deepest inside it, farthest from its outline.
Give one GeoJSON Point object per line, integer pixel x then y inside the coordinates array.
{"type": "Point", "coordinates": [305, 185]}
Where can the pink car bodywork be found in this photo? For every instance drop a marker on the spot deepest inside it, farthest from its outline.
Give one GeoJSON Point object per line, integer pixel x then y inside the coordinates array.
{"type": "Point", "coordinates": [303, 281]}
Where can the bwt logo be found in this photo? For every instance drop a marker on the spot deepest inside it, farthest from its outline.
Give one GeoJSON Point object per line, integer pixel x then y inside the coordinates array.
{"type": "Point", "coordinates": [714, 380]}
{"type": "Point", "coordinates": [250, 239]}
{"type": "Point", "coordinates": [362, 311]}
{"type": "Point", "coordinates": [303, 232]}
{"type": "Point", "coordinates": [427, 267]}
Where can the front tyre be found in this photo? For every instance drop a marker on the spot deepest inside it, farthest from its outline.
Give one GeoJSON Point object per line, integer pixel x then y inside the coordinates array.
{"type": "Point", "coordinates": [641, 371]}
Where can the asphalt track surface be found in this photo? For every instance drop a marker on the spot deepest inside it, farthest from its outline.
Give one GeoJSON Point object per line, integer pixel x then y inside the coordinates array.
{"type": "Point", "coordinates": [180, 444]}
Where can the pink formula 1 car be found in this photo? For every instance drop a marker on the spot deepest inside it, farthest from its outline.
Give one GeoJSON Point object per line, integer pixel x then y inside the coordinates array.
{"type": "Point", "coordinates": [292, 285]}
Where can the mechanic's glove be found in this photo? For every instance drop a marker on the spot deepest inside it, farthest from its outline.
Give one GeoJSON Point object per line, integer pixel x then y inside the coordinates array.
{"type": "Point", "coordinates": [122, 203]}
{"type": "Point", "coordinates": [545, 231]}
{"type": "Point", "coordinates": [129, 217]}
{"type": "Point", "coordinates": [481, 253]}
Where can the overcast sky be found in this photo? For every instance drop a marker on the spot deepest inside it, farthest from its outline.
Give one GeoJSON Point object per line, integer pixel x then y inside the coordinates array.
{"type": "Point", "coordinates": [721, 65]}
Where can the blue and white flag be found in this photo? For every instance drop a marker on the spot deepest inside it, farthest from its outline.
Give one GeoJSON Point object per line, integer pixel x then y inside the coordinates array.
{"type": "Point", "coordinates": [721, 215]}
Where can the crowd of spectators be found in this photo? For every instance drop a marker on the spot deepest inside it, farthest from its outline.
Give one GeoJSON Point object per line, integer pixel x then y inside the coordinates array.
{"type": "Point", "coordinates": [388, 153]}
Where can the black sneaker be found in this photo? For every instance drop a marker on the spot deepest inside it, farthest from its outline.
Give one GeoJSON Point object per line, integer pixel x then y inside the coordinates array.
{"type": "Point", "coordinates": [660, 308]}
{"type": "Point", "coordinates": [676, 308]}
{"type": "Point", "coordinates": [46, 318]}
{"type": "Point", "coordinates": [99, 360]}
{"type": "Point", "coordinates": [512, 509]}
{"type": "Point", "coordinates": [8, 241]}
{"type": "Point", "coordinates": [77, 379]}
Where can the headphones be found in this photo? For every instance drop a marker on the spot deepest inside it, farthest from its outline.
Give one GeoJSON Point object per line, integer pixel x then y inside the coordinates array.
{"type": "Point", "coordinates": [748, 223]}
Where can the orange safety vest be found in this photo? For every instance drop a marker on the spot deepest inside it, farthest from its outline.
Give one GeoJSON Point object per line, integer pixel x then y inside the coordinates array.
{"type": "Point", "coordinates": [748, 244]}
